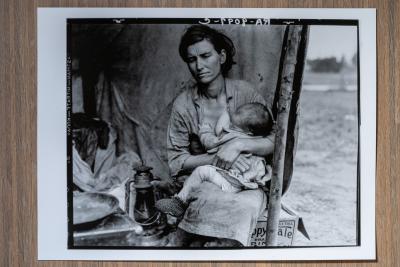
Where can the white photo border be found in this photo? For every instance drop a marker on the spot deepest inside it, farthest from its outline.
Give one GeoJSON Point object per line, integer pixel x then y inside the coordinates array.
{"type": "Point", "coordinates": [52, 145]}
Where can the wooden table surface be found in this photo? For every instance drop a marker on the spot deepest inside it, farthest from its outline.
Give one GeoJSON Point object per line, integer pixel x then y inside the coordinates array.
{"type": "Point", "coordinates": [18, 147]}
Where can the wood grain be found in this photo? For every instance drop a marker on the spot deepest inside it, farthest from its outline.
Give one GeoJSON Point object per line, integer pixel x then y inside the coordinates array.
{"type": "Point", "coordinates": [18, 128]}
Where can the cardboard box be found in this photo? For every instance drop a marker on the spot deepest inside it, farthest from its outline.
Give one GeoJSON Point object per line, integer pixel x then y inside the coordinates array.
{"type": "Point", "coordinates": [288, 224]}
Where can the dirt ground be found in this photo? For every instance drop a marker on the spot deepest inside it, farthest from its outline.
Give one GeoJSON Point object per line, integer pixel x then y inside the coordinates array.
{"type": "Point", "coordinates": [324, 185]}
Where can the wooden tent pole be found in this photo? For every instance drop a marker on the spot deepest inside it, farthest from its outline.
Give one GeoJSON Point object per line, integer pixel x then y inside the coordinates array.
{"type": "Point", "coordinates": [284, 103]}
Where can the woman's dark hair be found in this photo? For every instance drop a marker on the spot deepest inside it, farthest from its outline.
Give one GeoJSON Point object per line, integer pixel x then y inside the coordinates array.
{"type": "Point", "coordinates": [198, 33]}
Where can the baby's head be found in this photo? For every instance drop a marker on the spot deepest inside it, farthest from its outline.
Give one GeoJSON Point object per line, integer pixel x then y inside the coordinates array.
{"type": "Point", "coordinates": [254, 118]}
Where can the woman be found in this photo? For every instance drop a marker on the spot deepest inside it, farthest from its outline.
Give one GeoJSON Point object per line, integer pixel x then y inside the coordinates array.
{"type": "Point", "coordinates": [209, 56]}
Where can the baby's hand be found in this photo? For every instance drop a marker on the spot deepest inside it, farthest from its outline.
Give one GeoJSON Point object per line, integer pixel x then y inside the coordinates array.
{"type": "Point", "coordinates": [266, 177]}
{"type": "Point", "coordinates": [242, 163]}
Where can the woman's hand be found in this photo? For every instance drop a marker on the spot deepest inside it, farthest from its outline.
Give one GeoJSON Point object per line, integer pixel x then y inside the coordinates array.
{"type": "Point", "coordinates": [228, 154]}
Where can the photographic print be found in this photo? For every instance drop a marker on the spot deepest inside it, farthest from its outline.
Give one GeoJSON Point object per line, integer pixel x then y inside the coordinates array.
{"type": "Point", "coordinates": [202, 133]}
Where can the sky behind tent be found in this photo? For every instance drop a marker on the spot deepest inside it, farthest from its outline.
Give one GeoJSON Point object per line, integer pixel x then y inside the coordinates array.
{"type": "Point", "coordinates": [328, 41]}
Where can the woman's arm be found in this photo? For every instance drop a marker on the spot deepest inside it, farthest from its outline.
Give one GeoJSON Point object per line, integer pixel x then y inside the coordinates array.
{"type": "Point", "coordinates": [261, 146]}
{"type": "Point", "coordinates": [228, 153]}
{"type": "Point", "coordinates": [199, 160]}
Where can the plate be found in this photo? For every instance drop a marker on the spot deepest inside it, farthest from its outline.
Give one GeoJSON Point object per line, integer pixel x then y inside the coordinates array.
{"type": "Point", "coordinates": [90, 207]}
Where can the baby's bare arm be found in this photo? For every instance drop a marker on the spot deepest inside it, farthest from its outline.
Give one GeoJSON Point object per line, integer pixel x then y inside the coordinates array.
{"type": "Point", "coordinates": [207, 137]}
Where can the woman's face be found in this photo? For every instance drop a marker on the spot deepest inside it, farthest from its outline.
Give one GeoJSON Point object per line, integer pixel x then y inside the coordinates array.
{"type": "Point", "coordinates": [204, 61]}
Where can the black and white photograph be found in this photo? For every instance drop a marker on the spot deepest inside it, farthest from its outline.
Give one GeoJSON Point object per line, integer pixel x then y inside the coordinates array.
{"type": "Point", "coordinates": [175, 133]}
{"type": "Point", "coordinates": [212, 133]}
